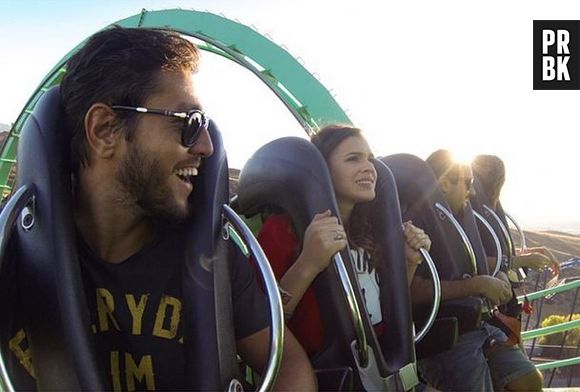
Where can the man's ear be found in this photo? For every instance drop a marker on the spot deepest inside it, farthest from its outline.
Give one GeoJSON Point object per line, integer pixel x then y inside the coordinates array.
{"type": "Point", "coordinates": [102, 130]}
{"type": "Point", "coordinates": [443, 184]}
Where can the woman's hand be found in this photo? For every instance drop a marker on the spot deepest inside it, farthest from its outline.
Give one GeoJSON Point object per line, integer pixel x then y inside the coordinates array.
{"type": "Point", "coordinates": [415, 239]}
{"type": "Point", "coordinates": [323, 238]}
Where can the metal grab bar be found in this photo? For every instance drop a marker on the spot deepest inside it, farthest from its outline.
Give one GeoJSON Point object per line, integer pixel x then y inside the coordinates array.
{"type": "Point", "coordinates": [8, 217]}
{"type": "Point", "coordinates": [520, 231]}
{"type": "Point", "coordinates": [274, 300]}
{"type": "Point", "coordinates": [466, 242]}
{"type": "Point", "coordinates": [436, 295]}
{"type": "Point", "coordinates": [504, 229]}
{"type": "Point", "coordinates": [495, 240]}
{"type": "Point", "coordinates": [362, 345]}
{"type": "Point", "coordinates": [508, 239]}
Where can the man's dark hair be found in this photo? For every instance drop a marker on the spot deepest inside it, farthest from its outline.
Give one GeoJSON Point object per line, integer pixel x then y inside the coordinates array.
{"type": "Point", "coordinates": [118, 66]}
{"type": "Point", "coordinates": [443, 164]}
{"type": "Point", "coordinates": [490, 171]}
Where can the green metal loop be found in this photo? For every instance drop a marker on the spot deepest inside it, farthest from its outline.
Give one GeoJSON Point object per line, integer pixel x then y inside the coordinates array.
{"type": "Point", "coordinates": [306, 98]}
{"type": "Point", "coordinates": [235, 237]}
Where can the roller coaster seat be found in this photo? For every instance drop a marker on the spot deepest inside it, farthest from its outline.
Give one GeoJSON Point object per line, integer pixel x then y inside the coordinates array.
{"type": "Point", "coordinates": [419, 194]}
{"type": "Point", "coordinates": [47, 269]}
{"type": "Point", "coordinates": [290, 175]}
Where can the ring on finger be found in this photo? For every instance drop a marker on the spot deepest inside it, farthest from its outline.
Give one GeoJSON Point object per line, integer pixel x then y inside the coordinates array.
{"type": "Point", "coordinates": [338, 235]}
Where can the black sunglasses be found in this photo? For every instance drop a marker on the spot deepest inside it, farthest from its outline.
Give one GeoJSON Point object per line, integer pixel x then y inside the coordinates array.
{"type": "Point", "coordinates": [195, 121]}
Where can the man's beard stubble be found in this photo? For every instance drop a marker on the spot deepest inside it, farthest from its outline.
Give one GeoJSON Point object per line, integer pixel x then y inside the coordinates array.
{"type": "Point", "coordinates": [145, 186]}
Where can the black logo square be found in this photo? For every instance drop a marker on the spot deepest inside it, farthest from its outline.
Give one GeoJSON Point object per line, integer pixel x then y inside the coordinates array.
{"type": "Point", "coordinates": [556, 55]}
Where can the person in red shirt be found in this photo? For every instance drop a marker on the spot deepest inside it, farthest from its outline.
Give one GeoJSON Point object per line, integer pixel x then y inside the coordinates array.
{"type": "Point", "coordinates": [349, 159]}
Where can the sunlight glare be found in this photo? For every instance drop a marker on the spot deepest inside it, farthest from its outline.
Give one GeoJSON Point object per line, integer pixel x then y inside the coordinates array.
{"type": "Point", "coordinates": [463, 156]}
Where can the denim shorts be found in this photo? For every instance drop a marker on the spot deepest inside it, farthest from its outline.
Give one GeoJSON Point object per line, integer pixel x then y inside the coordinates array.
{"type": "Point", "coordinates": [466, 368]}
{"type": "Point", "coordinates": [507, 364]}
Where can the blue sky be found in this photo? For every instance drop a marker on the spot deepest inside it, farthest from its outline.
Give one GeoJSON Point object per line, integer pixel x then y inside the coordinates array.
{"type": "Point", "coordinates": [417, 76]}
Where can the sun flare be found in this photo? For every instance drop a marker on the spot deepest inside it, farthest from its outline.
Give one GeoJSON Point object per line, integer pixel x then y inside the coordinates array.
{"type": "Point", "coordinates": [462, 156]}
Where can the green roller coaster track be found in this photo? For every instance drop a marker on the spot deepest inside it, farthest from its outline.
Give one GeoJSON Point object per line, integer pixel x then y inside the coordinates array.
{"type": "Point", "coordinates": [306, 98]}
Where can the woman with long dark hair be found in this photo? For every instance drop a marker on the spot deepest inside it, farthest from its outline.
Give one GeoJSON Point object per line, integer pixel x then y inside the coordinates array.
{"type": "Point", "coordinates": [296, 265]}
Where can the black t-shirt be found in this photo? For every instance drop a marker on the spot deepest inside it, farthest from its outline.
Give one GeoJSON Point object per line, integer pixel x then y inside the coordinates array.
{"type": "Point", "coordinates": [136, 313]}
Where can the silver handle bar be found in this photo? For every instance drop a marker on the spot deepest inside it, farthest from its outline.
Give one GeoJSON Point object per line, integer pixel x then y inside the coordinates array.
{"type": "Point", "coordinates": [348, 291]}
{"type": "Point", "coordinates": [436, 296]}
{"type": "Point", "coordinates": [520, 231]}
{"type": "Point", "coordinates": [274, 300]}
{"type": "Point", "coordinates": [495, 240]}
{"type": "Point", "coordinates": [504, 229]}
{"type": "Point", "coordinates": [522, 272]}
{"type": "Point", "coordinates": [466, 242]}
{"type": "Point", "coordinates": [508, 238]}
{"type": "Point", "coordinates": [486, 307]}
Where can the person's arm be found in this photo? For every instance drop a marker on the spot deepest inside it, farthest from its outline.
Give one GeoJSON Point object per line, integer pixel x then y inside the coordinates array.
{"type": "Point", "coordinates": [536, 262]}
{"type": "Point", "coordinates": [320, 244]}
{"type": "Point", "coordinates": [295, 372]}
{"type": "Point", "coordinates": [494, 289]}
{"type": "Point", "coordinates": [252, 331]}
{"type": "Point", "coordinates": [422, 289]}
{"type": "Point", "coordinates": [296, 281]}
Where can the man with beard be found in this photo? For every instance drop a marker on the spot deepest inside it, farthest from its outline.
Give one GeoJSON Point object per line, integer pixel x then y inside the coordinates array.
{"type": "Point", "coordinates": [139, 138]}
{"type": "Point", "coordinates": [478, 361]}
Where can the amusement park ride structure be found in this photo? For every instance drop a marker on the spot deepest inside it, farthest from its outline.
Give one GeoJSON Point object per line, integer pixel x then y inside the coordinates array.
{"type": "Point", "coordinates": [303, 95]}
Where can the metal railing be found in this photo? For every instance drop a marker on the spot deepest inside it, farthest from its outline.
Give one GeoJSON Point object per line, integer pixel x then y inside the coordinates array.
{"type": "Point", "coordinates": [554, 360]}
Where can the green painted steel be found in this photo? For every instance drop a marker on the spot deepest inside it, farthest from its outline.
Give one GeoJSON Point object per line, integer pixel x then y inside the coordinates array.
{"type": "Point", "coordinates": [237, 239]}
{"type": "Point", "coordinates": [554, 290]}
{"type": "Point", "coordinates": [558, 364]}
{"type": "Point", "coordinates": [306, 98]}
{"type": "Point", "coordinates": [552, 329]}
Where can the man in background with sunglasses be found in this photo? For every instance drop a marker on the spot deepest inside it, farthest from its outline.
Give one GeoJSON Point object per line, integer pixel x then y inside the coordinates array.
{"type": "Point", "coordinates": [470, 364]}
{"type": "Point", "coordinates": [138, 140]}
